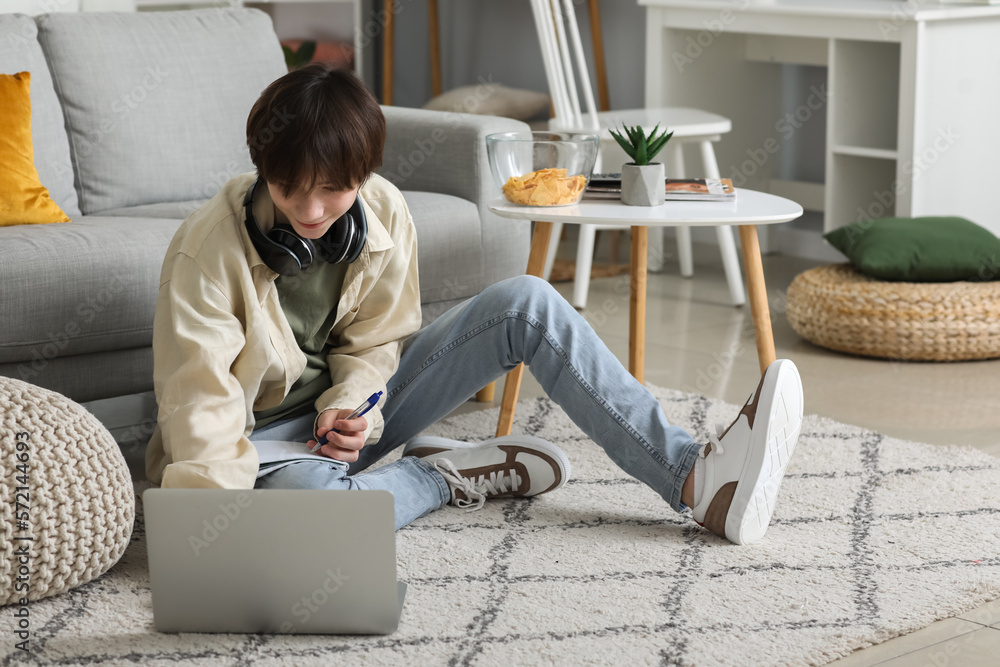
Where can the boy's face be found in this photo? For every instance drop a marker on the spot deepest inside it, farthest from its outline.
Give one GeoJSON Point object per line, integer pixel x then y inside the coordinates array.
{"type": "Point", "coordinates": [311, 213]}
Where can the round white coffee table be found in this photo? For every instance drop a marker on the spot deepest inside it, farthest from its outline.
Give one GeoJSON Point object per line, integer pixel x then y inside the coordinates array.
{"type": "Point", "coordinates": [750, 209]}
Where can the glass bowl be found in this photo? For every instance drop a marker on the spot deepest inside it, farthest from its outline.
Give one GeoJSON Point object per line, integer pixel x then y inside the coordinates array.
{"type": "Point", "coordinates": [542, 168]}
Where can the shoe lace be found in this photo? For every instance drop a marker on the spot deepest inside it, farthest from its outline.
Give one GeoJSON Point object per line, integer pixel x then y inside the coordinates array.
{"type": "Point", "coordinates": [715, 441]}
{"type": "Point", "coordinates": [477, 489]}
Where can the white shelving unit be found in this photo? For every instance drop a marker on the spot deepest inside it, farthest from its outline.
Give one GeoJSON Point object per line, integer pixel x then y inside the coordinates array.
{"type": "Point", "coordinates": [911, 97]}
{"type": "Point", "coordinates": [862, 130]}
{"type": "Point", "coordinates": [864, 85]}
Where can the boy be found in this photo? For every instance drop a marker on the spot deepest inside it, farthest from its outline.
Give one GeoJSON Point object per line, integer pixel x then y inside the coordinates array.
{"type": "Point", "coordinates": [292, 295]}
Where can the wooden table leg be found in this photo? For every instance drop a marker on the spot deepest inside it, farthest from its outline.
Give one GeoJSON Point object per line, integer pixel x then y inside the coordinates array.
{"type": "Point", "coordinates": [388, 52]}
{"type": "Point", "coordinates": [637, 302]}
{"type": "Point", "coordinates": [536, 264]}
{"type": "Point", "coordinates": [435, 40]}
{"type": "Point", "coordinates": [758, 296]}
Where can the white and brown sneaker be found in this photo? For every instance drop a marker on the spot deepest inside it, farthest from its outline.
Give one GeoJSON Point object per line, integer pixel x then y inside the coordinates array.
{"type": "Point", "coordinates": [739, 472]}
{"type": "Point", "coordinates": [505, 467]}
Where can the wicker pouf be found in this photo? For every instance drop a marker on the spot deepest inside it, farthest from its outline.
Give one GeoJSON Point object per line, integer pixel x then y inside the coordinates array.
{"type": "Point", "coordinates": [68, 501]}
{"type": "Point", "coordinates": [839, 308]}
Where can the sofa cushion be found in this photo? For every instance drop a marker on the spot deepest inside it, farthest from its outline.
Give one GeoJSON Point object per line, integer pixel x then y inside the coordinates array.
{"type": "Point", "coordinates": [90, 286]}
{"type": "Point", "coordinates": [170, 209]}
{"type": "Point", "coordinates": [21, 52]}
{"type": "Point", "coordinates": [925, 249]}
{"type": "Point", "coordinates": [23, 199]}
{"type": "Point", "coordinates": [450, 243]}
{"type": "Point", "coordinates": [448, 235]}
{"type": "Point", "coordinates": [492, 100]}
{"type": "Point", "coordinates": [88, 377]}
{"type": "Point", "coordinates": [82, 287]}
{"type": "Point", "coordinates": [156, 103]}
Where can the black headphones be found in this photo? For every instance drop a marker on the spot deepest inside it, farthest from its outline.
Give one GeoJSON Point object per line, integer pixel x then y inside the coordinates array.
{"type": "Point", "coordinates": [287, 253]}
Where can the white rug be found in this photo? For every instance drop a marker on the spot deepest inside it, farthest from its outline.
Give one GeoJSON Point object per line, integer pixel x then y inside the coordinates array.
{"type": "Point", "coordinates": [873, 537]}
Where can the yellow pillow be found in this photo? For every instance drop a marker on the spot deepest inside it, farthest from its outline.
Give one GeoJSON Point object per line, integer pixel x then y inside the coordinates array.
{"type": "Point", "coordinates": [23, 199]}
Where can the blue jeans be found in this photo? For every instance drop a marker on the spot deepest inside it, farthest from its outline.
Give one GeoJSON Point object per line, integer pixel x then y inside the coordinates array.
{"type": "Point", "coordinates": [474, 343]}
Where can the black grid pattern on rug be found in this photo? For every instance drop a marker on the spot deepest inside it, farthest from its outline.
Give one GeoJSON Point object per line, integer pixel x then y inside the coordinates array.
{"type": "Point", "coordinates": [490, 595]}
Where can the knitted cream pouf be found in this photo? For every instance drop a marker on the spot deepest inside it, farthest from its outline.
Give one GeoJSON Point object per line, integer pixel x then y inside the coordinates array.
{"type": "Point", "coordinates": [67, 497]}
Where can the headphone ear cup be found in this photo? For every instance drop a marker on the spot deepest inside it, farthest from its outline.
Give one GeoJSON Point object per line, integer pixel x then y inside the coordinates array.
{"type": "Point", "coordinates": [292, 251]}
{"type": "Point", "coordinates": [333, 244]}
{"type": "Point", "coordinates": [281, 249]}
{"type": "Point", "coordinates": [360, 227]}
{"type": "Point", "coordinates": [283, 262]}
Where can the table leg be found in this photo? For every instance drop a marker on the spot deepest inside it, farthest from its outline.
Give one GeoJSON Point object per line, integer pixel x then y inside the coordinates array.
{"type": "Point", "coordinates": [637, 302]}
{"type": "Point", "coordinates": [758, 296]}
{"type": "Point", "coordinates": [388, 52]}
{"type": "Point", "coordinates": [511, 388]}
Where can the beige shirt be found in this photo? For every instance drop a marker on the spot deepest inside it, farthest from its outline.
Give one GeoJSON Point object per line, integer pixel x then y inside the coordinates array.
{"type": "Point", "coordinates": [223, 348]}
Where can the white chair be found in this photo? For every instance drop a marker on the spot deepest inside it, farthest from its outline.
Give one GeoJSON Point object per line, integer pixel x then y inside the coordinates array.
{"type": "Point", "coordinates": [558, 32]}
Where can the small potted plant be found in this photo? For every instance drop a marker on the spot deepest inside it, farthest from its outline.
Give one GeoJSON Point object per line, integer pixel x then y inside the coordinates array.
{"type": "Point", "coordinates": [643, 182]}
{"type": "Point", "coordinates": [300, 57]}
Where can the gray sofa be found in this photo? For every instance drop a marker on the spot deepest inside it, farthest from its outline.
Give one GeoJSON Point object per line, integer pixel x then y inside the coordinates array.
{"type": "Point", "coordinates": [137, 119]}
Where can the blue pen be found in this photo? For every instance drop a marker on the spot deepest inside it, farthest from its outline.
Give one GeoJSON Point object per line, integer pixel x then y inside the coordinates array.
{"type": "Point", "coordinates": [358, 412]}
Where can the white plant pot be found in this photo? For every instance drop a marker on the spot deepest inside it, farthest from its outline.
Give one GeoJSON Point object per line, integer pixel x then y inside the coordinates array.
{"type": "Point", "coordinates": [643, 185]}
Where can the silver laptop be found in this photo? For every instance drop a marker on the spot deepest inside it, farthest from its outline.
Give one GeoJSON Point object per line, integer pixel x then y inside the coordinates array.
{"type": "Point", "coordinates": [273, 561]}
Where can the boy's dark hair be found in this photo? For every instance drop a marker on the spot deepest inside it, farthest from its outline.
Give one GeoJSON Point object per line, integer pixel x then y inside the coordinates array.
{"type": "Point", "coordinates": [316, 125]}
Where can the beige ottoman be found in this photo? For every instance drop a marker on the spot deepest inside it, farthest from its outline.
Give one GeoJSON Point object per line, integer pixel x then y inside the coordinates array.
{"type": "Point", "coordinates": [842, 309]}
{"type": "Point", "coordinates": [66, 493]}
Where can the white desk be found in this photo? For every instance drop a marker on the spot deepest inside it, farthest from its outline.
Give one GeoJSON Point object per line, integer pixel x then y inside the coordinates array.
{"type": "Point", "coordinates": [911, 104]}
{"type": "Point", "coordinates": [750, 209]}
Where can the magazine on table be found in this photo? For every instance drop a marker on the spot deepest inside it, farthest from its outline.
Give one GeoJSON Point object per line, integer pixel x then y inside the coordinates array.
{"type": "Point", "coordinates": [609, 186]}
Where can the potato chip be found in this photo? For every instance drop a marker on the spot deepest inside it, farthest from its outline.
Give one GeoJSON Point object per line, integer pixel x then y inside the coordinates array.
{"type": "Point", "coordinates": [545, 187]}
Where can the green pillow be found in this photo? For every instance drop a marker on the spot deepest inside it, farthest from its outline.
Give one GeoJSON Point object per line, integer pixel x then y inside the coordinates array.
{"type": "Point", "coordinates": [931, 249]}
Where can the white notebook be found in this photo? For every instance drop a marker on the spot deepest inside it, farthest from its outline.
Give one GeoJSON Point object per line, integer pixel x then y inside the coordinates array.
{"type": "Point", "coordinates": [274, 454]}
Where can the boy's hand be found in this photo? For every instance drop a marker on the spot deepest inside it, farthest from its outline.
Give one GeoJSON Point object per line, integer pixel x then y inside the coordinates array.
{"type": "Point", "coordinates": [343, 446]}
